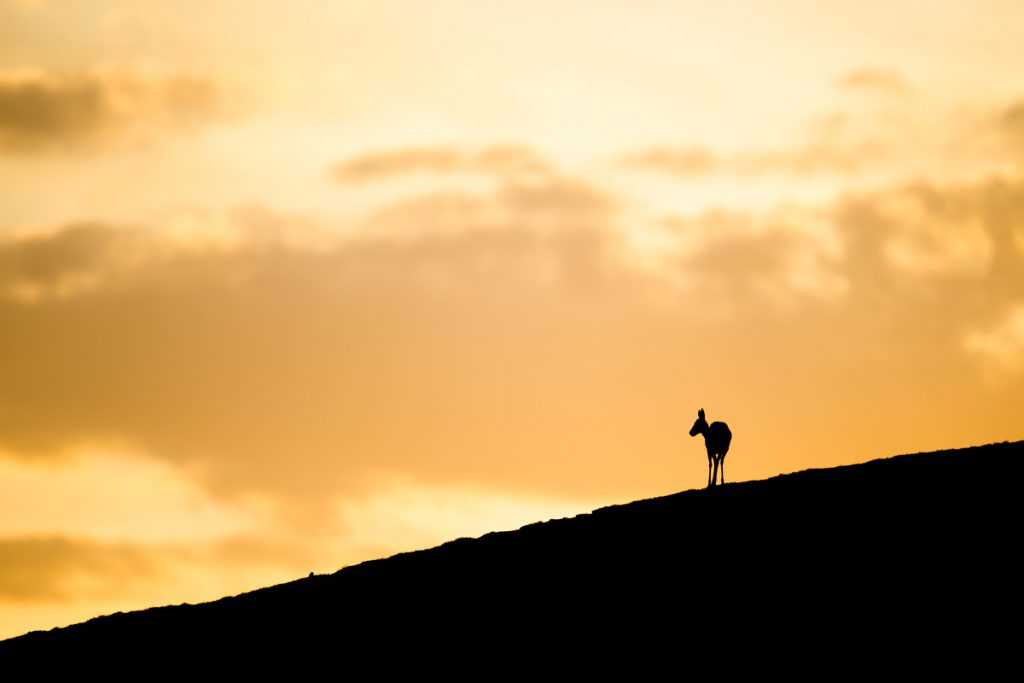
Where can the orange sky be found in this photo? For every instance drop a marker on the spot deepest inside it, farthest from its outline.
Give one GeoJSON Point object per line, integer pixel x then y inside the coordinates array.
{"type": "Point", "coordinates": [289, 285]}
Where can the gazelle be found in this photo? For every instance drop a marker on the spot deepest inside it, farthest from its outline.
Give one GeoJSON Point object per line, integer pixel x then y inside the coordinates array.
{"type": "Point", "coordinates": [716, 439]}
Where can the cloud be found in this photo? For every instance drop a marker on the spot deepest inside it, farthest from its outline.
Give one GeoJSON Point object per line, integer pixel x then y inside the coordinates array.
{"type": "Point", "coordinates": [741, 260]}
{"type": "Point", "coordinates": [512, 339]}
{"type": "Point", "coordinates": [1011, 124]}
{"type": "Point", "coordinates": [53, 580]}
{"type": "Point", "coordinates": [85, 577]}
{"type": "Point", "coordinates": [62, 264]}
{"type": "Point", "coordinates": [50, 579]}
{"type": "Point", "coordinates": [931, 266]}
{"type": "Point", "coordinates": [677, 160]}
{"type": "Point", "coordinates": [940, 232]}
{"type": "Point", "coordinates": [104, 494]}
{"type": "Point", "coordinates": [931, 234]}
{"type": "Point", "coordinates": [811, 159]}
{"type": "Point", "coordinates": [882, 81]}
{"type": "Point", "coordinates": [296, 369]}
{"type": "Point", "coordinates": [51, 111]}
{"type": "Point", "coordinates": [1001, 345]}
{"type": "Point", "coordinates": [820, 157]}
{"type": "Point", "coordinates": [500, 160]}
{"type": "Point", "coordinates": [549, 206]}
{"type": "Point", "coordinates": [53, 568]}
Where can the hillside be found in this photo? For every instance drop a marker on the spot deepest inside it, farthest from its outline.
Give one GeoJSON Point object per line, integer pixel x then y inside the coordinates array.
{"type": "Point", "coordinates": [851, 559]}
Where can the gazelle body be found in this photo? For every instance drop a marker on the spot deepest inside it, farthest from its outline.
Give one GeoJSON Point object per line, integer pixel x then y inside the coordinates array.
{"type": "Point", "coordinates": [716, 439]}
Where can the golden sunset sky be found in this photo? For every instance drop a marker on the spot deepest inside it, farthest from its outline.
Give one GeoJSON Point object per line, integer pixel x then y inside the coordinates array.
{"type": "Point", "coordinates": [289, 285]}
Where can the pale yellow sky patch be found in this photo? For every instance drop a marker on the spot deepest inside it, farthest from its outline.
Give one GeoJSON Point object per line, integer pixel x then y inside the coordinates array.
{"type": "Point", "coordinates": [115, 495]}
{"type": "Point", "coordinates": [413, 516]}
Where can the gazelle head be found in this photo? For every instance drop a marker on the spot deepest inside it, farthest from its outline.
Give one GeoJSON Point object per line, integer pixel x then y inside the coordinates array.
{"type": "Point", "coordinates": [700, 426]}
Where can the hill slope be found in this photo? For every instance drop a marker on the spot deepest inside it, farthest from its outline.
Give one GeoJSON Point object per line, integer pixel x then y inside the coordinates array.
{"type": "Point", "coordinates": [862, 555]}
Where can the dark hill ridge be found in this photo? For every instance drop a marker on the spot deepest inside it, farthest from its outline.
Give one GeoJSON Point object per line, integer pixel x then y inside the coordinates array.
{"type": "Point", "coordinates": [863, 556]}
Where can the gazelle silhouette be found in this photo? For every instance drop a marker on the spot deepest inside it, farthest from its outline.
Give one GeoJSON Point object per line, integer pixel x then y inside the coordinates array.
{"type": "Point", "coordinates": [716, 439]}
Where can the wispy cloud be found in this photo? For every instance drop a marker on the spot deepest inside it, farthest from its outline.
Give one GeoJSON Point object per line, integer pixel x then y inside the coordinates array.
{"type": "Point", "coordinates": [500, 160]}
{"type": "Point", "coordinates": [879, 81]}
{"type": "Point", "coordinates": [818, 158]}
{"type": "Point", "coordinates": [45, 110]}
{"type": "Point", "coordinates": [1001, 345]}
{"type": "Point", "coordinates": [680, 160]}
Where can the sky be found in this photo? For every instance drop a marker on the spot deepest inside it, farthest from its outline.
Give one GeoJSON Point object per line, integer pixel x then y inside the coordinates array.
{"type": "Point", "coordinates": [286, 286]}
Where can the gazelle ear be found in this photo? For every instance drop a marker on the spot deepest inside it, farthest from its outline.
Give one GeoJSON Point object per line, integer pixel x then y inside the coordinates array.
{"type": "Point", "coordinates": [700, 413]}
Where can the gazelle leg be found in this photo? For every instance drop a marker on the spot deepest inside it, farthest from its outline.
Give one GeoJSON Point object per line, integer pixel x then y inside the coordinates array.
{"type": "Point", "coordinates": [714, 477]}
{"type": "Point", "coordinates": [723, 468]}
{"type": "Point", "coordinates": [709, 470]}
